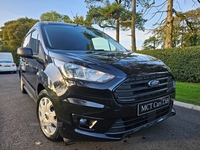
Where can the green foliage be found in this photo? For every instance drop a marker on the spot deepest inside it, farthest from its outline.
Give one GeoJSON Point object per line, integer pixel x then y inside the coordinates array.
{"type": "Point", "coordinates": [125, 3]}
{"type": "Point", "coordinates": [186, 28]}
{"type": "Point", "coordinates": [107, 16]}
{"type": "Point", "coordinates": [12, 34]}
{"type": "Point", "coordinates": [184, 62]}
{"type": "Point", "coordinates": [116, 15]}
{"type": "Point", "coordinates": [151, 43]}
{"type": "Point", "coordinates": [81, 21]}
{"type": "Point", "coordinates": [54, 16]}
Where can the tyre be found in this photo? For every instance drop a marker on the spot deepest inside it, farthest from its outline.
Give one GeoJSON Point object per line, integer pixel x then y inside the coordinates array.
{"type": "Point", "coordinates": [47, 117]}
{"type": "Point", "coordinates": [22, 86]}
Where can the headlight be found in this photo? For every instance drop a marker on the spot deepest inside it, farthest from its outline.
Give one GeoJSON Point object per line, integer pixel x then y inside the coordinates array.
{"type": "Point", "coordinates": [82, 73]}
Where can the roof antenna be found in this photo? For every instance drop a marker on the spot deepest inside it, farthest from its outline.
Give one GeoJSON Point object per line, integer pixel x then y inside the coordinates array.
{"type": "Point", "coordinates": [74, 18]}
{"type": "Point", "coordinates": [72, 14]}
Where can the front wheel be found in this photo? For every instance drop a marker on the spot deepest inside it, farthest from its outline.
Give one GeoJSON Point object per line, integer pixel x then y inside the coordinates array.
{"type": "Point", "coordinates": [47, 117]}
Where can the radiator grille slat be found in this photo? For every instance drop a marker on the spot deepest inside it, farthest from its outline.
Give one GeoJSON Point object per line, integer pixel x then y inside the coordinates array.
{"type": "Point", "coordinates": [136, 89]}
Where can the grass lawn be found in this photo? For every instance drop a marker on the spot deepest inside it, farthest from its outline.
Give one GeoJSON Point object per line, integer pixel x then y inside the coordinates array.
{"type": "Point", "coordinates": [188, 92]}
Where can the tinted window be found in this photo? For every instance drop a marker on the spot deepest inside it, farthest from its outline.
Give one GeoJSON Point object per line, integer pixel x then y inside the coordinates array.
{"type": "Point", "coordinates": [34, 42]}
{"type": "Point", "coordinates": [79, 38]}
{"type": "Point", "coordinates": [26, 41]}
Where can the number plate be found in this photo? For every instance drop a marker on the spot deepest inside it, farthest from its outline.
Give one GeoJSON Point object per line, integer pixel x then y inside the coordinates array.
{"type": "Point", "coordinates": [146, 107]}
{"type": "Point", "coordinates": [6, 65]}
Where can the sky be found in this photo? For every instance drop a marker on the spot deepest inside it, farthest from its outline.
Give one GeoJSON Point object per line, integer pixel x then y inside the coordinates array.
{"type": "Point", "coordinates": [15, 9]}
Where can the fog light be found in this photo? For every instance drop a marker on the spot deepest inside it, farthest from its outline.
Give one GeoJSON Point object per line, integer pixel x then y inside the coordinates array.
{"type": "Point", "coordinates": [83, 123]}
{"type": "Point", "coordinates": [87, 123]}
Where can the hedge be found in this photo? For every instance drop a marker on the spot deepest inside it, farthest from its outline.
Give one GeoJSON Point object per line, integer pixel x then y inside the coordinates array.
{"type": "Point", "coordinates": [184, 62]}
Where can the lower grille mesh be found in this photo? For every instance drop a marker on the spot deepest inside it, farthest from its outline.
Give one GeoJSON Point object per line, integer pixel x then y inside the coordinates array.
{"type": "Point", "coordinates": [124, 125]}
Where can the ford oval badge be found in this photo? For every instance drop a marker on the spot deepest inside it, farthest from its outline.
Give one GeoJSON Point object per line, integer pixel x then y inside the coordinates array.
{"type": "Point", "coordinates": [153, 83]}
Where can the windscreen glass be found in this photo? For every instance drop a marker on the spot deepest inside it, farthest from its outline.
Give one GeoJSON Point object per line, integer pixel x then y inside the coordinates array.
{"type": "Point", "coordinates": [65, 37]}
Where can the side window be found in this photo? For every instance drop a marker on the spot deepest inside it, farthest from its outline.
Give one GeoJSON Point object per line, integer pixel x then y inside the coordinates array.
{"type": "Point", "coordinates": [34, 42]}
{"type": "Point", "coordinates": [26, 41]}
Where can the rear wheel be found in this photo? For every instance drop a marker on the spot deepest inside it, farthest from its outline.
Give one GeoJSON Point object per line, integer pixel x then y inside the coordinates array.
{"type": "Point", "coordinates": [47, 117]}
{"type": "Point", "coordinates": [22, 86]}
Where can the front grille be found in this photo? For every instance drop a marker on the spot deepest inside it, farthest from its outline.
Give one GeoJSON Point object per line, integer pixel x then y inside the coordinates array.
{"type": "Point", "coordinates": [126, 125]}
{"type": "Point", "coordinates": [136, 89]}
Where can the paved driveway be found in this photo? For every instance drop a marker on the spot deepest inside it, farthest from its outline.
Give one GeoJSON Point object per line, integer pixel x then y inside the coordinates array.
{"type": "Point", "coordinates": [19, 129]}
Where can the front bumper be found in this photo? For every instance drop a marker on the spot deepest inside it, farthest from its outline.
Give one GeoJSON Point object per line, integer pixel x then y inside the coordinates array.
{"type": "Point", "coordinates": [110, 124]}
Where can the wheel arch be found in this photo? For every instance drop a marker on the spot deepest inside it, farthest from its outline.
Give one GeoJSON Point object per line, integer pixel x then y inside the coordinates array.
{"type": "Point", "coordinates": [51, 80]}
{"type": "Point", "coordinates": [40, 87]}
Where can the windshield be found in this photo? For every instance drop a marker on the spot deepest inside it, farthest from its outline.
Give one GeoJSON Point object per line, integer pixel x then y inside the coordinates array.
{"type": "Point", "coordinates": [68, 37]}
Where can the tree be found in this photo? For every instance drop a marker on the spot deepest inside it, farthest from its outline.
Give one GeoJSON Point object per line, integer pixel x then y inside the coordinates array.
{"type": "Point", "coordinates": [55, 17]}
{"type": "Point", "coordinates": [12, 34]}
{"type": "Point", "coordinates": [168, 21]}
{"type": "Point", "coordinates": [1, 43]}
{"type": "Point", "coordinates": [151, 43]}
{"type": "Point", "coordinates": [167, 24]}
{"type": "Point", "coordinates": [109, 16]}
{"type": "Point", "coordinates": [114, 15]}
{"type": "Point", "coordinates": [80, 20]}
{"type": "Point", "coordinates": [133, 22]}
{"type": "Point", "coordinates": [187, 27]}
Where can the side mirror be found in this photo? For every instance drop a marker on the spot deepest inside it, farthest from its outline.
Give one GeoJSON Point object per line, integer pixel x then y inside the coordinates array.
{"type": "Point", "coordinates": [25, 52]}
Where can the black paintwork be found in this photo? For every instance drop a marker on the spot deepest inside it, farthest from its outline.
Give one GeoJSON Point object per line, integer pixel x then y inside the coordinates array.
{"type": "Point", "coordinates": [74, 99]}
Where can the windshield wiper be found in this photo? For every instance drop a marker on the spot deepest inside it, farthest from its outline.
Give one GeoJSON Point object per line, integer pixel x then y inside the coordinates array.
{"type": "Point", "coordinates": [98, 50]}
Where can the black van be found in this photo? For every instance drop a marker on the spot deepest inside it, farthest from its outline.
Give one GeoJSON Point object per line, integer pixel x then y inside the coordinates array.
{"type": "Point", "coordinates": [88, 87]}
